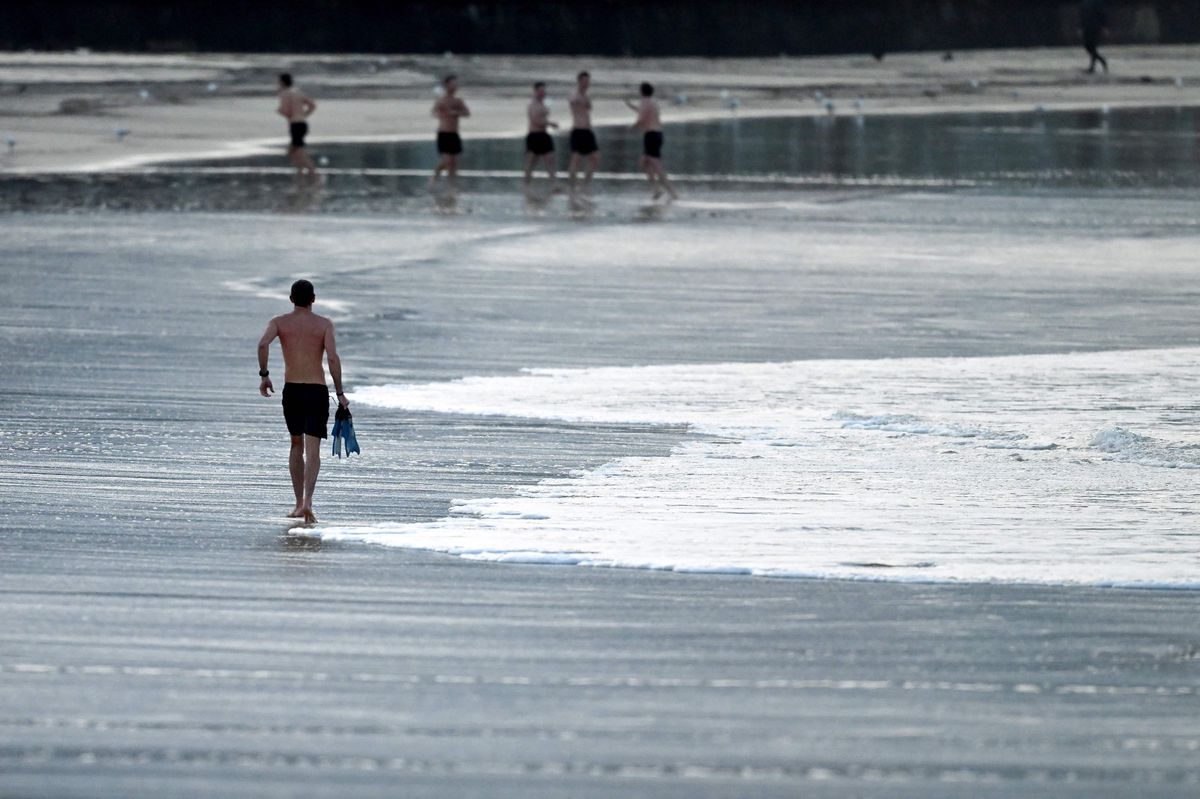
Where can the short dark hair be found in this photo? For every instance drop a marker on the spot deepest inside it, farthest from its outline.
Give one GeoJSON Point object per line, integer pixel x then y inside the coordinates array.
{"type": "Point", "coordinates": [541, 84]}
{"type": "Point", "coordinates": [446, 80]}
{"type": "Point", "coordinates": [303, 293]}
{"type": "Point", "coordinates": [647, 90]}
{"type": "Point", "coordinates": [285, 78]}
{"type": "Point", "coordinates": [582, 75]}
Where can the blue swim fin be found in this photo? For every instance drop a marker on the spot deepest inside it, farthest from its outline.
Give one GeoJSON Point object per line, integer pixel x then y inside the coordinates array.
{"type": "Point", "coordinates": [343, 430]}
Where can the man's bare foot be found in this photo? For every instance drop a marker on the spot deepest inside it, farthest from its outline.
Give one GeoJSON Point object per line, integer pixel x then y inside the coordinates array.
{"type": "Point", "coordinates": [296, 514]}
{"type": "Point", "coordinates": [657, 194]}
{"type": "Point", "coordinates": [309, 516]}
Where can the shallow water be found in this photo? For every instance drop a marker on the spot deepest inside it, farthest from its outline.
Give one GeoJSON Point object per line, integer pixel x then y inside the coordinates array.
{"type": "Point", "coordinates": [1083, 149]}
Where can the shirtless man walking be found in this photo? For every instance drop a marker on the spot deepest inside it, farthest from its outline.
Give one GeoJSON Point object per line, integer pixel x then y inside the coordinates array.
{"type": "Point", "coordinates": [539, 145]}
{"type": "Point", "coordinates": [650, 123]}
{"type": "Point", "coordinates": [583, 140]}
{"type": "Point", "coordinates": [448, 109]}
{"type": "Point", "coordinates": [296, 109]}
{"type": "Point", "coordinates": [304, 337]}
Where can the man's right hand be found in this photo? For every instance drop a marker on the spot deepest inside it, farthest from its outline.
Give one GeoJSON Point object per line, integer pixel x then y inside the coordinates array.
{"type": "Point", "coordinates": [265, 388]}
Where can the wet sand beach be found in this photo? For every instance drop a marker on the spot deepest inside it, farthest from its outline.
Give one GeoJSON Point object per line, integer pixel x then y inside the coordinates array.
{"type": "Point", "coordinates": [64, 109]}
{"type": "Point", "coordinates": [166, 633]}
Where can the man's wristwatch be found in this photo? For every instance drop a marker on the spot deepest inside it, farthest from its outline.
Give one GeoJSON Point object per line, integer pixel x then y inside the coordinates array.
{"type": "Point", "coordinates": [263, 373]}
{"type": "Point", "coordinates": [341, 393]}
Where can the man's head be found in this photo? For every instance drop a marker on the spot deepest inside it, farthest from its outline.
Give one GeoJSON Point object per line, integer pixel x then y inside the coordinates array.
{"type": "Point", "coordinates": [303, 294]}
{"type": "Point", "coordinates": [647, 90]}
{"type": "Point", "coordinates": [285, 80]}
{"type": "Point", "coordinates": [583, 79]}
{"type": "Point", "coordinates": [539, 90]}
{"type": "Point", "coordinates": [451, 83]}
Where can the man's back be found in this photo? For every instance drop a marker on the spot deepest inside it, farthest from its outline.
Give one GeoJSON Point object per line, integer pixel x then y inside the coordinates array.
{"type": "Point", "coordinates": [648, 115]}
{"type": "Point", "coordinates": [302, 336]}
{"type": "Point", "coordinates": [293, 105]}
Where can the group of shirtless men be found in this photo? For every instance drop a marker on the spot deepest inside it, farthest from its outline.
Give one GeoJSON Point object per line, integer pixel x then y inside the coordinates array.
{"type": "Point", "coordinates": [539, 144]}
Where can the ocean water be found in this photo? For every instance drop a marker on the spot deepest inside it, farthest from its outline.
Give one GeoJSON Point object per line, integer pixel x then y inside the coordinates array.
{"type": "Point", "coordinates": [900, 378]}
{"type": "Point", "coordinates": [1072, 468]}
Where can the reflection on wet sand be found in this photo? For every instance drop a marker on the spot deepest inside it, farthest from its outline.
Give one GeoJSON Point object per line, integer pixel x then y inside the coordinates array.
{"type": "Point", "coordinates": [446, 202]}
{"type": "Point", "coordinates": [305, 195]}
{"type": "Point", "coordinates": [291, 541]}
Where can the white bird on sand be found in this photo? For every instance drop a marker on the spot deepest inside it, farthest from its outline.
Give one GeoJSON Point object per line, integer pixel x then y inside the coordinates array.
{"type": "Point", "coordinates": [121, 133]}
{"type": "Point", "coordinates": [1179, 83]}
{"type": "Point", "coordinates": [733, 103]}
{"type": "Point", "coordinates": [858, 104]}
{"type": "Point", "coordinates": [212, 87]}
{"type": "Point", "coordinates": [323, 160]}
{"type": "Point", "coordinates": [11, 142]}
{"type": "Point", "coordinates": [1104, 109]}
{"type": "Point", "coordinates": [829, 106]}
{"type": "Point", "coordinates": [438, 91]}
{"type": "Point", "coordinates": [144, 94]}
{"type": "Point", "coordinates": [974, 83]}
{"type": "Point", "coordinates": [818, 95]}
{"type": "Point", "coordinates": [681, 99]}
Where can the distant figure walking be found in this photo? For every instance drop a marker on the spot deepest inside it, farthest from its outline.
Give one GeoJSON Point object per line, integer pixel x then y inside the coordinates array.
{"type": "Point", "coordinates": [296, 109]}
{"type": "Point", "coordinates": [583, 139]}
{"type": "Point", "coordinates": [448, 109]}
{"type": "Point", "coordinates": [306, 339]}
{"type": "Point", "coordinates": [650, 123]}
{"type": "Point", "coordinates": [539, 144]}
{"type": "Point", "coordinates": [1093, 21]}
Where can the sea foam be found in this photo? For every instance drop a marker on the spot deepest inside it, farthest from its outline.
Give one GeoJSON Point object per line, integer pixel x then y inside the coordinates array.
{"type": "Point", "coordinates": [1038, 469]}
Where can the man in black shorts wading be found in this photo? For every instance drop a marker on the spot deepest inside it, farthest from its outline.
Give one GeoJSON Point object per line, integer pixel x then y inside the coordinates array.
{"type": "Point", "coordinates": [539, 145]}
{"type": "Point", "coordinates": [448, 109]}
{"type": "Point", "coordinates": [305, 339]}
{"type": "Point", "coordinates": [296, 109]}
{"type": "Point", "coordinates": [583, 140]}
{"type": "Point", "coordinates": [650, 123]}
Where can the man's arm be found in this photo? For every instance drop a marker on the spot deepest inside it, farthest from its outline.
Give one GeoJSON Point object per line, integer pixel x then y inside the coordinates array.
{"type": "Point", "coordinates": [282, 110]}
{"type": "Point", "coordinates": [264, 350]}
{"type": "Point", "coordinates": [309, 106]}
{"type": "Point", "coordinates": [335, 365]}
{"type": "Point", "coordinates": [462, 110]}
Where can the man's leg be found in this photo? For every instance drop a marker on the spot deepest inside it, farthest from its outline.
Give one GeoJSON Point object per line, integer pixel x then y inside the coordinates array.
{"type": "Point", "coordinates": [293, 156]}
{"type": "Point", "coordinates": [661, 173]}
{"type": "Point", "coordinates": [651, 176]}
{"type": "Point", "coordinates": [572, 168]}
{"type": "Point", "coordinates": [548, 160]}
{"type": "Point", "coordinates": [312, 467]}
{"type": "Point", "coordinates": [593, 161]}
{"type": "Point", "coordinates": [437, 170]}
{"type": "Point", "coordinates": [306, 162]}
{"type": "Point", "coordinates": [296, 467]}
{"type": "Point", "coordinates": [529, 159]}
{"type": "Point", "coordinates": [452, 171]}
